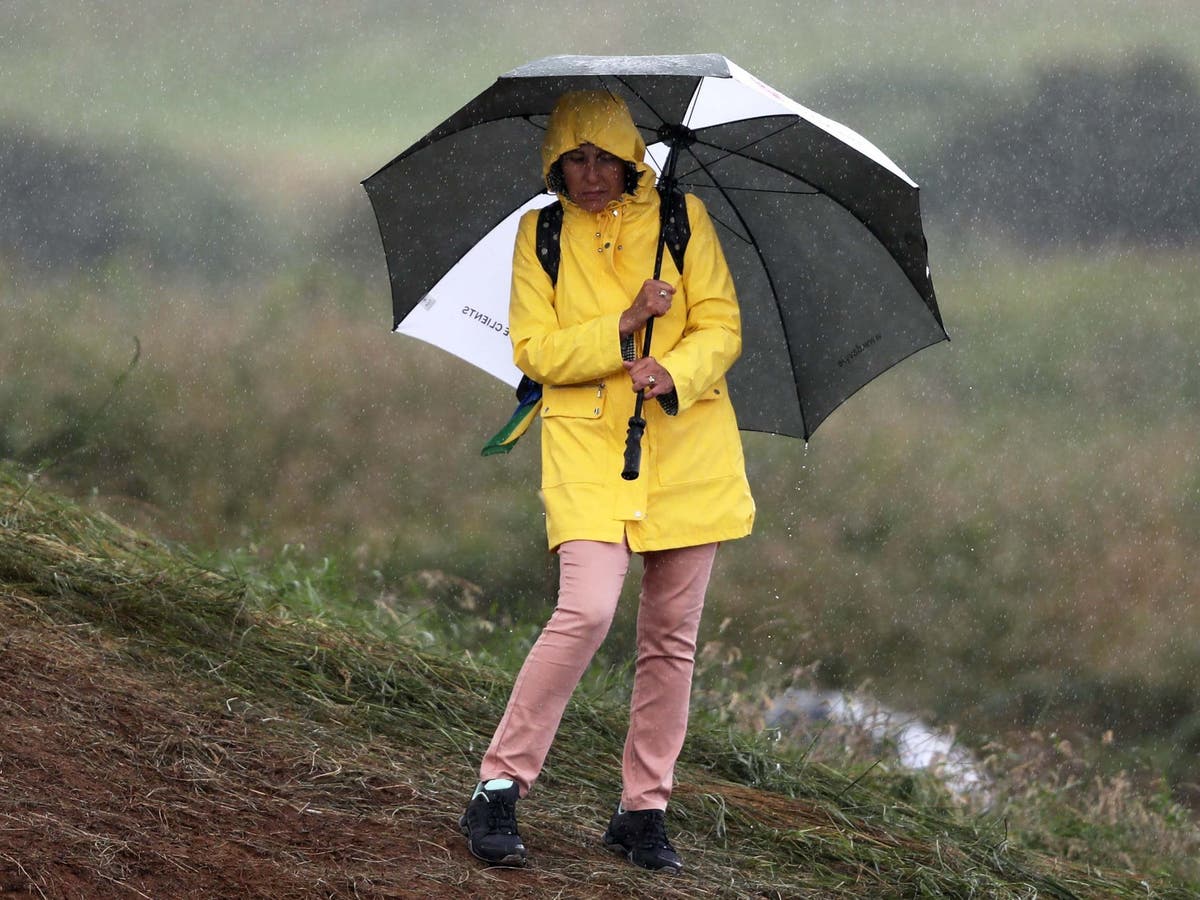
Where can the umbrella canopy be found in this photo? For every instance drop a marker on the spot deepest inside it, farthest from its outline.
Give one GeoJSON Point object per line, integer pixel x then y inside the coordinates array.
{"type": "Point", "coordinates": [821, 230]}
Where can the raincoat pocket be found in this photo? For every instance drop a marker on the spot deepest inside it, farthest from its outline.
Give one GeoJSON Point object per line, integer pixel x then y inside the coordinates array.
{"type": "Point", "coordinates": [576, 401]}
{"type": "Point", "coordinates": [572, 433]}
{"type": "Point", "coordinates": [703, 443]}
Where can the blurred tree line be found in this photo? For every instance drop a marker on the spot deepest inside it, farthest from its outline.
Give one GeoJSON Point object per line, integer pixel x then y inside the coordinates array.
{"type": "Point", "coordinates": [66, 206]}
{"type": "Point", "coordinates": [1088, 154]}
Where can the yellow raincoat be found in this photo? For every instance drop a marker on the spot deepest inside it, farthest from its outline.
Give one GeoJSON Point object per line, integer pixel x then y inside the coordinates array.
{"type": "Point", "coordinates": [692, 489]}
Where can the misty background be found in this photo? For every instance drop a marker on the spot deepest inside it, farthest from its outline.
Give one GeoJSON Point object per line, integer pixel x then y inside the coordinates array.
{"type": "Point", "coordinates": [1001, 533]}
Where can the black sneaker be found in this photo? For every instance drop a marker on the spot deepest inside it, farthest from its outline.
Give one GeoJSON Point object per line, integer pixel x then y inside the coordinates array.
{"type": "Point", "coordinates": [641, 837]}
{"type": "Point", "coordinates": [490, 823]}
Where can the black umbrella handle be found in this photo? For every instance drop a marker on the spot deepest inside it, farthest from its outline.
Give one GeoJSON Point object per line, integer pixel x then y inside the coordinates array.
{"type": "Point", "coordinates": [637, 424]}
{"type": "Point", "coordinates": [633, 444]}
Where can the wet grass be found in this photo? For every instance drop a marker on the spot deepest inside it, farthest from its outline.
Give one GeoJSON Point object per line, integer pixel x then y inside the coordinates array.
{"type": "Point", "coordinates": [754, 818]}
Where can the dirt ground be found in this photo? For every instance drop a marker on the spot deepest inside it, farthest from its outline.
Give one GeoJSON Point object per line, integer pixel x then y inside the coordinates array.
{"type": "Point", "coordinates": [119, 781]}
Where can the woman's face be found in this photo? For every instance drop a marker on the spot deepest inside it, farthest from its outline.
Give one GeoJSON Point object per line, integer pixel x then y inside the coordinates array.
{"type": "Point", "coordinates": [593, 176]}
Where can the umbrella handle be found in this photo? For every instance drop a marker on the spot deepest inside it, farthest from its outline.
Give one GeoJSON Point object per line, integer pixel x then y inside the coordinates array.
{"type": "Point", "coordinates": [633, 444]}
{"type": "Point", "coordinates": [637, 424]}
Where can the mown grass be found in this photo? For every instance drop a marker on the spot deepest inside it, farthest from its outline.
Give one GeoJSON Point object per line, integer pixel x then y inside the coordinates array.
{"type": "Point", "coordinates": [757, 819]}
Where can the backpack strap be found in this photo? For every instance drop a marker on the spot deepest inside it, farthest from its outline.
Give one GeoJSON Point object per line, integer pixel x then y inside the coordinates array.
{"type": "Point", "coordinates": [676, 226]}
{"type": "Point", "coordinates": [549, 228]}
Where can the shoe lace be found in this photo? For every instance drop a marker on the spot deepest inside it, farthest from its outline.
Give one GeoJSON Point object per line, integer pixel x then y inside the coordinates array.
{"type": "Point", "coordinates": [654, 833]}
{"type": "Point", "coordinates": [501, 814]}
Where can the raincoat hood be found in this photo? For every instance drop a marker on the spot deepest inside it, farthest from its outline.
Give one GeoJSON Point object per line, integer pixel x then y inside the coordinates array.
{"type": "Point", "coordinates": [594, 117]}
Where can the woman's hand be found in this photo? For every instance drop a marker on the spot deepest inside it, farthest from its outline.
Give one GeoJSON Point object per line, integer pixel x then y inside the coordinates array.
{"type": "Point", "coordinates": [649, 376]}
{"type": "Point", "coordinates": [654, 299]}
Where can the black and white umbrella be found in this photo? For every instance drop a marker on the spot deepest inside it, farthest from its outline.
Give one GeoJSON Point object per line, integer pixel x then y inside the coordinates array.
{"type": "Point", "coordinates": [822, 231]}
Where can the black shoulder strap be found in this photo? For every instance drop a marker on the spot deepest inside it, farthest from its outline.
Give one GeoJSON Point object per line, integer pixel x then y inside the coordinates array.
{"type": "Point", "coordinates": [549, 227]}
{"type": "Point", "coordinates": [676, 226]}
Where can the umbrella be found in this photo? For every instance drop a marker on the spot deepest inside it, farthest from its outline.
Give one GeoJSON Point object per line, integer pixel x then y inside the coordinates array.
{"type": "Point", "coordinates": [822, 231]}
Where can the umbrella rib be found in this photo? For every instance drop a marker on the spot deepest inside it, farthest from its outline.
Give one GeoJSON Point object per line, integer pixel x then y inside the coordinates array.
{"type": "Point", "coordinates": [737, 151]}
{"type": "Point", "coordinates": [770, 284]}
{"type": "Point", "coordinates": [770, 165]}
{"type": "Point", "coordinates": [754, 190]}
{"type": "Point", "coordinates": [733, 231]}
{"type": "Point", "coordinates": [818, 190]}
{"type": "Point", "coordinates": [460, 257]}
{"type": "Point", "coordinates": [620, 79]}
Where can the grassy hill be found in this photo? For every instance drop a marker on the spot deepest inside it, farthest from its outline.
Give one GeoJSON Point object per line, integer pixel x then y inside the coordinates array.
{"type": "Point", "coordinates": [169, 729]}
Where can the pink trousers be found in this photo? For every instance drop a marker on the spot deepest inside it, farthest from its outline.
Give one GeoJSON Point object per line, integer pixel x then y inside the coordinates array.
{"type": "Point", "coordinates": [590, 577]}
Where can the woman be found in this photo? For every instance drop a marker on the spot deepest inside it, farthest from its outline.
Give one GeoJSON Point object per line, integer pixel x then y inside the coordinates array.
{"type": "Point", "coordinates": [576, 336]}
